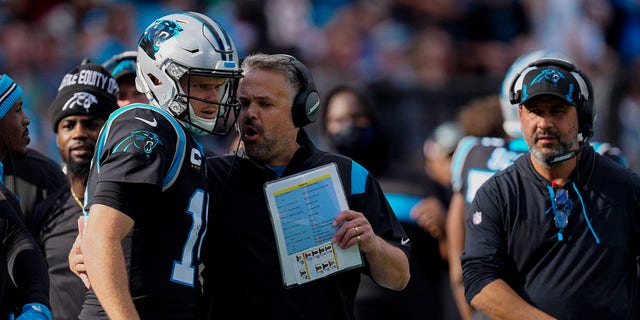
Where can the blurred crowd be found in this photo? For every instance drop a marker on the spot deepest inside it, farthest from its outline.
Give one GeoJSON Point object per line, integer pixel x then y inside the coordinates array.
{"type": "Point", "coordinates": [422, 60]}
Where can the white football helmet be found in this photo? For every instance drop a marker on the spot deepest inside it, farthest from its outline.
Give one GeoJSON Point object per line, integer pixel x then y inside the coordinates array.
{"type": "Point", "coordinates": [185, 44]}
{"type": "Point", "coordinates": [511, 123]}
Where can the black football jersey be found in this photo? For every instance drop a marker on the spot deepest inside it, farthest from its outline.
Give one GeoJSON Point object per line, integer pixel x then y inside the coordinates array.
{"type": "Point", "coordinates": [142, 145]}
{"type": "Point", "coordinates": [477, 159]}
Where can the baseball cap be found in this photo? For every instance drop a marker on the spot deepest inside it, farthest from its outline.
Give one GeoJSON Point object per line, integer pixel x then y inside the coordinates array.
{"type": "Point", "coordinates": [122, 64]}
{"type": "Point", "coordinates": [88, 89]}
{"type": "Point", "coordinates": [551, 80]}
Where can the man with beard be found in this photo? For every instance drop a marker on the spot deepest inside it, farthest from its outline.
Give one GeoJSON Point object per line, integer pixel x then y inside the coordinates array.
{"type": "Point", "coordinates": [562, 221]}
{"type": "Point", "coordinates": [483, 153]}
{"type": "Point", "coordinates": [78, 112]}
{"type": "Point", "coordinates": [278, 99]}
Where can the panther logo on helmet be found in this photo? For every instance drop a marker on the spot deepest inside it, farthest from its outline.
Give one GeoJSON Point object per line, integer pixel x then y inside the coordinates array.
{"type": "Point", "coordinates": [157, 33]}
{"type": "Point", "coordinates": [81, 99]}
{"type": "Point", "coordinates": [139, 139]}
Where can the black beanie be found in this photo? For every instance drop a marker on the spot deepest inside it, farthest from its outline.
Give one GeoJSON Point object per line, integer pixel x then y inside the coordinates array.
{"type": "Point", "coordinates": [87, 89]}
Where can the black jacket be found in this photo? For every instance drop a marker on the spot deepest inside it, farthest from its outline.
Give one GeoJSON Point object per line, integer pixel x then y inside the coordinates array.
{"type": "Point", "coordinates": [21, 260]}
{"type": "Point", "coordinates": [510, 237]}
{"type": "Point", "coordinates": [242, 265]}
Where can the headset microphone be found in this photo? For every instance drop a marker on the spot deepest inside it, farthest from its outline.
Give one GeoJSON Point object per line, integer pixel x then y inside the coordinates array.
{"type": "Point", "coordinates": [565, 156]}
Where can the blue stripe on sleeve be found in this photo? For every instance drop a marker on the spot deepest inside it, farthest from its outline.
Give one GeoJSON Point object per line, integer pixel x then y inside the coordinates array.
{"type": "Point", "coordinates": [402, 204]}
{"type": "Point", "coordinates": [358, 178]}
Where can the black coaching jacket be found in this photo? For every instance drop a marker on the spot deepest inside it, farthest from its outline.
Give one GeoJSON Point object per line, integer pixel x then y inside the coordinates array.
{"type": "Point", "coordinates": [241, 263]}
{"type": "Point", "coordinates": [592, 272]}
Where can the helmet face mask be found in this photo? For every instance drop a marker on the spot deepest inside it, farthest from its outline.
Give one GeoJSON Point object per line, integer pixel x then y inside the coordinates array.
{"type": "Point", "coordinates": [183, 45]}
{"type": "Point", "coordinates": [227, 106]}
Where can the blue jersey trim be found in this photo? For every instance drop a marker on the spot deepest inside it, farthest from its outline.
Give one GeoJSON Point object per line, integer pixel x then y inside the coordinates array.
{"type": "Point", "coordinates": [462, 150]}
{"type": "Point", "coordinates": [358, 178]}
{"type": "Point", "coordinates": [402, 205]}
{"type": "Point", "coordinates": [518, 145]}
{"type": "Point", "coordinates": [172, 174]}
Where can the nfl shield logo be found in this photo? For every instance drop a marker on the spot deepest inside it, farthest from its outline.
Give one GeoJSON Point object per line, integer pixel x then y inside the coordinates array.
{"type": "Point", "coordinates": [477, 217]}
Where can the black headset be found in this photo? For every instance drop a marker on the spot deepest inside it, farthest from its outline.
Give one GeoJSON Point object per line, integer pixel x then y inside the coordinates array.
{"type": "Point", "coordinates": [306, 104]}
{"type": "Point", "coordinates": [584, 103]}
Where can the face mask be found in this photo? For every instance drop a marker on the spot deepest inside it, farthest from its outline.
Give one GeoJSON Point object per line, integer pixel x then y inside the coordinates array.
{"type": "Point", "coordinates": [353, 141]}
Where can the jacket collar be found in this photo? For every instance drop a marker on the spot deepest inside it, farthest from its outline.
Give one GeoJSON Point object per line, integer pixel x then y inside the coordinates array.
{"type": "Point", "coordinates": [580, 175]}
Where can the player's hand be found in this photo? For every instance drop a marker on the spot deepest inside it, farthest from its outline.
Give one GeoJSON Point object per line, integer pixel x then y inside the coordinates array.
{"type": "Point", "coordinates": [430, 215]}
{"type": "Point", "coordinates": [354, 229]}
{"type": "Point", "coordinates": [76, 259]}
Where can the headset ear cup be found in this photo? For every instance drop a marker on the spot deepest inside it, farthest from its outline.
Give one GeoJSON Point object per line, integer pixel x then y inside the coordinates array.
{"type": "Point", "coordinates": [312, 106]}
{"type": "Point", "coordinates": [306, 104]}
{"type": "Point", "coordinates": [306, 108]}
{"type": "Point", "coordinates": [514, 92]}
{"type": "Point", "coordinates": [585, 107]}
{"type": "Point", "coordinates": [514, 97]}
{"type": "Point", "coordinates": [586, 118]}
{"type": "Point", "coordinates": [588, 109]}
